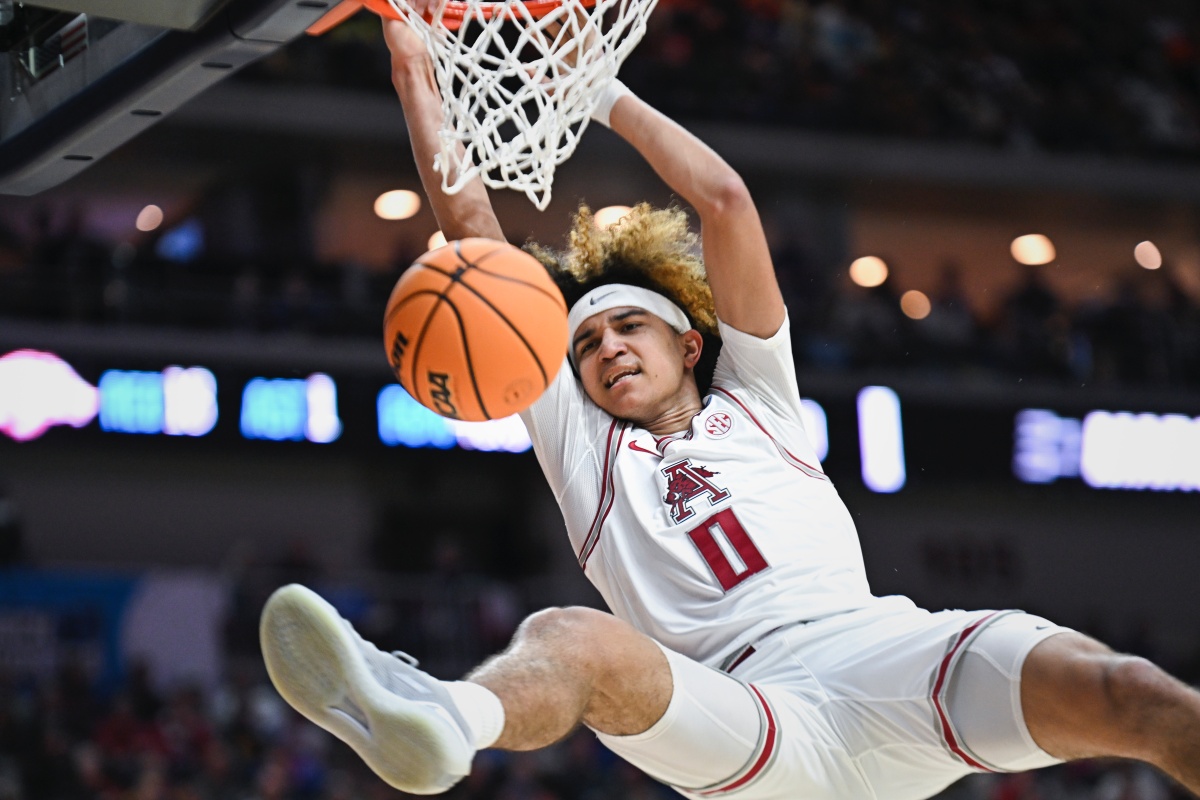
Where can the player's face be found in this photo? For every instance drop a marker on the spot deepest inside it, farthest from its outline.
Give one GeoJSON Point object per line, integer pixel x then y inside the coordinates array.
{"type": "Point", "coordinates": [634, 365]}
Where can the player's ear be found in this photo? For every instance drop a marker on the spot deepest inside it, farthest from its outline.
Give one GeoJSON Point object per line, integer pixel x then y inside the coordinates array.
{"type": "Point", "coordinates": [693, 345]}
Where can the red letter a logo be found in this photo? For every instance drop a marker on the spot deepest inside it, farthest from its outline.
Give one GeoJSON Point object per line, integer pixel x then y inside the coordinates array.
{"type": "Point", "coordinates": [685, 483]}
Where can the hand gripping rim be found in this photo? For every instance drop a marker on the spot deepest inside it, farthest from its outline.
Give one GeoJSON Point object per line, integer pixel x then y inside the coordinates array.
{"type": "Point", "coordinates": [457, 10]}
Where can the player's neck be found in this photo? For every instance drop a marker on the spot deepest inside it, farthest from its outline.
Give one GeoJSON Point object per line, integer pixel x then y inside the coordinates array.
{"type": "Point", "coordinates": [677, 417]}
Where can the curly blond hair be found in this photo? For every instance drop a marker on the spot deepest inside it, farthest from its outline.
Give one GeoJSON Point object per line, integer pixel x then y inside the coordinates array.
{"type": "Point", "coordinates": [650, 247]}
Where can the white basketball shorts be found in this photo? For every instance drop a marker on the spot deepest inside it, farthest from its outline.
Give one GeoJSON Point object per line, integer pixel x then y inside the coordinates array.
{"type": "Point", "coordinates": [891, 702]}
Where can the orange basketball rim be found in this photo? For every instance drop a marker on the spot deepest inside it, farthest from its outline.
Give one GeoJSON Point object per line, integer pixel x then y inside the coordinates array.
{"type": "Point", "coordinates": [452, 15]}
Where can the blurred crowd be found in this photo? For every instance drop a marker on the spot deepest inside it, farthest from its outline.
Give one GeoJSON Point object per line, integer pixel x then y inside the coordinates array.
{"type": "Point", "coordinates": [1144, 330]}
{"type": "Point", "coordinates": [63, 736]}
{"type": "Point", "coordinates": [195, 276]}
{"type": "Point", "coordinates": [1062, 75]}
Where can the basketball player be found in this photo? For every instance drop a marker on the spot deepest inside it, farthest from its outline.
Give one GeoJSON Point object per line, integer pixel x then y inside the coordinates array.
{"type": "Point", "coordinates": [745, 655]}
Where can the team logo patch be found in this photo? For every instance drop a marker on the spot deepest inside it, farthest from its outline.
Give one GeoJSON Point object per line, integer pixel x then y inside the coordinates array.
{"type": "Point", "coordinates": [718, 425]}
{"type": "Point", "coordinates": [687, 482]}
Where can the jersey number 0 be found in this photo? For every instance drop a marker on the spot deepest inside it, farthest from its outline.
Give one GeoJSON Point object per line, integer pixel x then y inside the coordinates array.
{"type": "Point", "coordinates": [727, 549]}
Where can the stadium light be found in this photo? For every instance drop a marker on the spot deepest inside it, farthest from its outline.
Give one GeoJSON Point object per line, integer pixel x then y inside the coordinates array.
{"type": "Point", "coordinates": [868, 271]}
{"type": "Point", "coordinates": [1033, 249]}
{"type": "Point", "coordinates": [397, 204]}
{"type": "Point", "coordinates": [437, 240]}
{"type": "Point", "coordinates": [915, 304]}
{"type": "Point", "coordinates": [610, 215]}
{"type": "Point", "coordinates": [1148, 255]}
{"type": "Point", "coordinates": [149, 218]}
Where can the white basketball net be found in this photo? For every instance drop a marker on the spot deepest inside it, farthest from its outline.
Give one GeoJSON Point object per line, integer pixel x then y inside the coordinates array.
{"type": "Point", "coordinates": [517, 95]}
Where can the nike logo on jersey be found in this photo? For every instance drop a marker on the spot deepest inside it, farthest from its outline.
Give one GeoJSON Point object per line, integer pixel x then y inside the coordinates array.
{"type": "Point", "coordinates": [640, 449]}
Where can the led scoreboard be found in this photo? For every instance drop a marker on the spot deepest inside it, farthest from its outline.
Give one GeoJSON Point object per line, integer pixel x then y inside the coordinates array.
{"type": "Point", "coordinates": [885, 439]}
{"type": "Point", "coordinates": [40, 391]}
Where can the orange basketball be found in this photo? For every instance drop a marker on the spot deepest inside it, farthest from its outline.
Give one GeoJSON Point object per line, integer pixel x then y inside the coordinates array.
{"type": "Point", "coordinates": [475, 330]}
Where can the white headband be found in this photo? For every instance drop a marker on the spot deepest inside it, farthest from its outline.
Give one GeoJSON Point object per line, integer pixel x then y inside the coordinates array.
{"type": "Point", "coordinates": [619, 295]}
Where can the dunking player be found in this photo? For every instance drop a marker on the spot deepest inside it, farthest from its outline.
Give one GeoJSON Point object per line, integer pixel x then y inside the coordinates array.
{"type": "Point", "coordinates": [745, 655]}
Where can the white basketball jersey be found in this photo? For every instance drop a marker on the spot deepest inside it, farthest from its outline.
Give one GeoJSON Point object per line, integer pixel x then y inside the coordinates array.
{"type": "Point", "coordinates": [709, 538]}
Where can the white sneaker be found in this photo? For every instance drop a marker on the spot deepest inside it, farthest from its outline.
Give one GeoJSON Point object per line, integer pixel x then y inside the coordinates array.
{"type": "Point", "coordinates": [398, 719]}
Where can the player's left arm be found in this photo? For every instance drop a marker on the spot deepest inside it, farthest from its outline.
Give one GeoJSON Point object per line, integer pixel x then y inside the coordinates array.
{"type": "Point", "coordinates": [745, 290]}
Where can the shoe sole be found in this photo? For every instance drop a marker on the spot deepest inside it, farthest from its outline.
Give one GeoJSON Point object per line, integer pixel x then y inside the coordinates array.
{"type": "Point", "coordinates": [317, 667]}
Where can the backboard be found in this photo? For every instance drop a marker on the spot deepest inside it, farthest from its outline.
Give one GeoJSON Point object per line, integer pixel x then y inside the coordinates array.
{"type": "Point", "coordinates": [77, 84]}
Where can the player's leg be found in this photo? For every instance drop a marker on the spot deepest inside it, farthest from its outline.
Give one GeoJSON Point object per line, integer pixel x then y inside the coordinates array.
{"type": "Point", "coordinates": [1082, 700]}
{"type": "Point", "coordinates": [685, 724]}
{"type": "Point", "coordinates": [571, 665]}
{"type": "Point", "coordinates": [565, 666]}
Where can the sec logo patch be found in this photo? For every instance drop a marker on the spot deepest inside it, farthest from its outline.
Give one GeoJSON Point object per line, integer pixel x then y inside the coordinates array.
{"type": "Point", "coordinates": [718, 425]}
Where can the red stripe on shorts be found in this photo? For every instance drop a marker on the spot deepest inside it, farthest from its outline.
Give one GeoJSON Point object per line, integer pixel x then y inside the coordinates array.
{"type": "Point", "coordinates": [764, 758]}
{"type": "Point", "coordinates": [943, 672]}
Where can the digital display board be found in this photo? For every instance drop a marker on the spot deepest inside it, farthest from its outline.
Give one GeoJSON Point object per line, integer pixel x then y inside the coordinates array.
{"type": "Point", "coordinates": [1109, 449]}
{"type": "Point", "coordinates": [883, 439]}
{"type": "Point", "coordinates": [40, 390]}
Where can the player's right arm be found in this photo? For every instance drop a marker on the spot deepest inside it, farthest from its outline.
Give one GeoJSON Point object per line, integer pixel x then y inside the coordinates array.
{"type": "Point", "coordinates": [469, 212]}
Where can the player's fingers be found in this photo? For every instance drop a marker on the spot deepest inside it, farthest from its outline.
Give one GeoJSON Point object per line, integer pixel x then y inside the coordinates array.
{"type": "Point", "coordinates": [435, 8]}
{"type": "Point", "coordinates": [424, 8]}
{"type": "Point", "coordinates": [403, 42]}
{"type": "Point", "coordinates": [546, 31]}
{"type": "Point", "coordinates": [541, 76]}
{"type": "Point", "coordinates": [394, 31]}
{"type": "Point", "coordinates": [554, 40]}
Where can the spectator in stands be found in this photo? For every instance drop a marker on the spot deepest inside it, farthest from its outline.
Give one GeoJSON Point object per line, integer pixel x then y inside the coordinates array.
{"type": "Point", "coordinates": [128, 746]}
{"type": "Point", "coordinates": [866, 324]}
{"type": "Point", "coordinates": [1032, 331]}
{"type": "Point", "coordinates": [1136, 338]}
{"type": "Point", "coordinates": [69, 266]}
{"type": "Point", "coordinates": [950, 333]}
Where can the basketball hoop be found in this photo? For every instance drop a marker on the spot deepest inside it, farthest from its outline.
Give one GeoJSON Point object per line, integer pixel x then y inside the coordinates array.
{"type": "Point", "coordinates": [519, 81]}
{"type": "Point", "coordinates": [455, 11]}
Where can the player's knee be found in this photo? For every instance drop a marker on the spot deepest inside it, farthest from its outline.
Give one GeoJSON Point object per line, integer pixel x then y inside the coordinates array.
{"type": "Point", "coordinates": [593, 642]}
{"type": "Point", "coordinates": [563, 627]}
